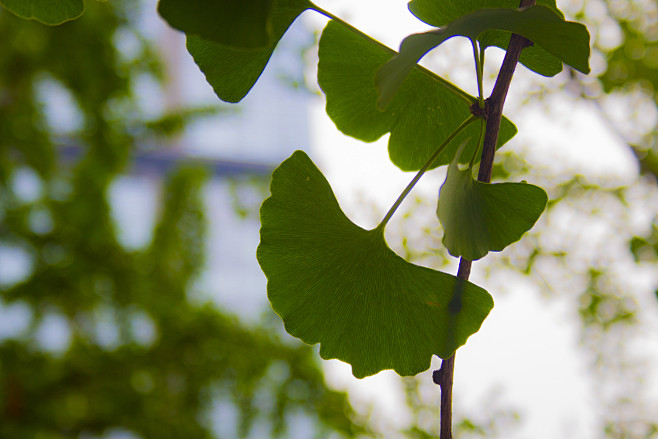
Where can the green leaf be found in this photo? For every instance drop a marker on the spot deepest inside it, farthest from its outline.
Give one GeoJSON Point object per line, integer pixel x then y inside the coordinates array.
{"type": "Point", "coordinates": [566, 40]}
{"type": "Point", "coordinates": [233, 72]}
{"type": "Point", "coordinates": [481, 217]}
{"type": "Point", "coordinates": [50, 12]}
{"type": "Point", "coordinates": [426, 110]}
{"type": "Point", "coordinates": [441, 12]}
{"type": "Point", "coordinates": [337, 284]}
{"type": "Point", "coordinates": [240, 24]}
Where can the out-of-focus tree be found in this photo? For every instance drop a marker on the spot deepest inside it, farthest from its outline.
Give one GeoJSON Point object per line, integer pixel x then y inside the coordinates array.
{"type": "Point", "coordinates": [631, 74]}
{"type": "Point", "coordinates": [617, 309]}
{"type": "Point", "coordinates": [134, 355]}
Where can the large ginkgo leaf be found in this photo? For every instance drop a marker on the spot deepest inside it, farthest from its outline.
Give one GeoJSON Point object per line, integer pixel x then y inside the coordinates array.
{"type": "Point", "coordinates": [51, 12]}
{"type": "Point", "coordinates": [568, 41]}
{"type": "Point", "coordinates": [441, 12]}
{"type": "Point", "coordinates": [339, 285]}
{"type": "Point", "coordinates": [481, 217]}
{"type": "Point", "coordinates": [425, 111]}
{"type": "Point", "coordinates": [240, 24]}
{"type": "Point", "coordinates": [231, 71]}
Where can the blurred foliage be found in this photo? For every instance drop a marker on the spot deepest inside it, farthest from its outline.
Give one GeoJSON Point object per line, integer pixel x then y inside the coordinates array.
{"type": "Point", "coordinates": [631, 71]}
{"type": "Point", "coordinates": [134, 354]}
{"type": "Point", "coordinates": [635, 61]}
{"type": "Point", "coordinates": [588, 251]}
{"type": "Point", "coordinates": [493, 418]}
{"type": "Point", "coordinates": [175, 122]}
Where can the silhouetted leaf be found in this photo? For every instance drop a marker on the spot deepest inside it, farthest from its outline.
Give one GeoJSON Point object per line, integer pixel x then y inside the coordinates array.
{"type": "Point", "coordinates": [239, 24]}
{"type": "Point", "coordinates": [233, 72]}
{"type": "Point", "coordinates": [481, 217]}
{"type": "Point", "coordinates": [426, 110]}
{"type": "Point", "coordinates": [337, 284]}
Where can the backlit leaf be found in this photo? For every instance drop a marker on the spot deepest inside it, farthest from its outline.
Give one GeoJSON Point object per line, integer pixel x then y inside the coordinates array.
{"type": "Point", "coordinates": [233, 72]}
{"type": "Point", "coordinates": [481, 217]}
{"type": "Point", "coordinates": [339, 285]}
{"type": "Point", "coordinates": [425, 111]}
{"type": "Point", "coordinates": [568, 41]}
{"type": "Point", "coordinates": [241, 24]}
{"type": "Point", "coordinates": [441, 12]}
{"type": "Point", "coordinates": [51, 12]}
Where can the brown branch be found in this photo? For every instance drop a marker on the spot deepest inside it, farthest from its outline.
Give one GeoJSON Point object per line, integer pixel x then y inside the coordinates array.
{"type": "Point", "coordinates": [493, 115]}
{"type": "Point", "coordinates": [444, 376]}
{"type": "Point", "coordinates": [494, 105]}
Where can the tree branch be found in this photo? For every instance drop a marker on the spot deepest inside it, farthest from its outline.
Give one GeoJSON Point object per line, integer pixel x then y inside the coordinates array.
{"type": "Point", "coordinates": [444, 376]}
{"type": "Point", "coordinates": [493, 114]}
{"type": "Point", "coordinates": [494, 105]}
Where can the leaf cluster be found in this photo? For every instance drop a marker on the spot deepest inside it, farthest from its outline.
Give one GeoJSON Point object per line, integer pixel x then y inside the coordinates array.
{"type": "Point", "coordinates": [337, 284]}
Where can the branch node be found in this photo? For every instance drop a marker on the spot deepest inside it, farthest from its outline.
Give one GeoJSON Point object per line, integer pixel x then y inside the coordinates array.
{"type": "Point", "coordinates": [437, 375]}
{"type": "Point", "coordinates": [480, 112]}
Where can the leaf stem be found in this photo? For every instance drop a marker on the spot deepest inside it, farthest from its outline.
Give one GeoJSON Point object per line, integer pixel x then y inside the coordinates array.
{"type": "Point", "coordinates": [478, 55]}
{"type": "Point", "coordinates": [424, 169]}
{"type": "Point", "coordinates": [493, 113]}
{"type": "Point", "coordinates": [447, 84]}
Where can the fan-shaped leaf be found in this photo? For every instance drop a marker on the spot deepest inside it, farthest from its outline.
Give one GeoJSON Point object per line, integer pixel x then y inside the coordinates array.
{"type": "Point", "coordinates": [481, 217]}
{"type": "Point", "coordinates": [51, 12]}
{"type": "Point", "coordinates": [568, 41]}
{"type": "Point", "coordinates": [337, 284]}
{"type": "Point", "coordinates": [426, 110]}
{"type": "Point", "coordinates": [240, 24]}
{"type": "Point", "coordinates": [233, 72]}
{"type": "Point", "coordinates": [441, 12]}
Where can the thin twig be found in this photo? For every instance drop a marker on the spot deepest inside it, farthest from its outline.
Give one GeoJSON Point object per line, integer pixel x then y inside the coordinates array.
{"type": "Point", "coordinates": [424, 169]}
{"type": "Point", "coordinates": [493, 114]}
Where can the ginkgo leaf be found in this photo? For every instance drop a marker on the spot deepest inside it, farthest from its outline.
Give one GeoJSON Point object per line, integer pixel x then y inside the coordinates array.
{"type": "Point", "coordinates": [568, 41]}
{"type": "Point", "coordinates": [339, 285]}
{"type": "Point", "coordinates": [426, 110]}
{"type": "Point", "coordinates": [232, 72]}
{"type": "Point", "coordinates": [50, 12]}
{"type": "Point", "coordinates": [439, 13]}
{"type": "Point", "coordinates": [239, 24]}
{"type": "Point", "coordinates": [480, 217]}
